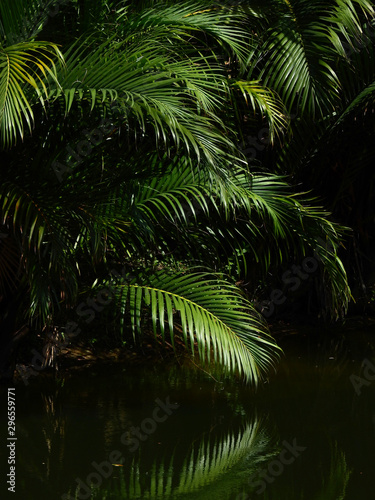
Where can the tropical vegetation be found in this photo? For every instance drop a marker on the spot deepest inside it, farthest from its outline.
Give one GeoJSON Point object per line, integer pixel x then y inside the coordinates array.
{"type": "Point", "coordinates": [127, 148]}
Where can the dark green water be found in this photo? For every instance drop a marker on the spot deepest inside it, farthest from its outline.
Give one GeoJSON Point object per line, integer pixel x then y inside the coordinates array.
{"type": "Point", "coordinates": [305, 435]}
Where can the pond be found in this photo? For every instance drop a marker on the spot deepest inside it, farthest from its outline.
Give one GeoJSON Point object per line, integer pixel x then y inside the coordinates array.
{"type": "Point", "coordinates": [170, 431]}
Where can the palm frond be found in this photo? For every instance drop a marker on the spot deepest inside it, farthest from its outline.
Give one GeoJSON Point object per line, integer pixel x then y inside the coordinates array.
{"type": "Point", "coordinates": [188, 20]}
{"type": "Point", "coordinates": [265, 211]}
{"type": "Point", "coordinates": [21, 21]}
{"type": "Point", "coordinates": [24, 68]}
{"type": "Point", "coordinates": [267, 102]}
{"type": "Point", "coordinates": [297, 66]}
{"type": "Point", "coordinates": [152, 90]}
{"type": "Point", "coordinates": [215, 319]}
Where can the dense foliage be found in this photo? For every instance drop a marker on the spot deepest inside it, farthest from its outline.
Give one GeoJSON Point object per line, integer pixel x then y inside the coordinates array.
{"type": "Point", "coordinates": [161, 143]}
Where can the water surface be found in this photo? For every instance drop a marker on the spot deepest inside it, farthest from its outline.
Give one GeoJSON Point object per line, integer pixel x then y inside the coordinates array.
{"type": "Point", "coordinates": [166, 431]}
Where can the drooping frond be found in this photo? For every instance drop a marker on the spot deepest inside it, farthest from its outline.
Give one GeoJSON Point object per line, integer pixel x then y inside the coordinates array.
{"type": "Point", "coordinates": [215, 318]}
{"type": "Point", "coordinates": [300, 41]}
{"type": "Point", "coordinates": [254, 212]}
{"type": "Point", "coordinates": [24, 69]}
{"type": "Point", "coordinates": [267, 103]}
{"type": "Point", "coordinates": [187, 21]}
{"type": "Point", "coordinates": [22, 20]}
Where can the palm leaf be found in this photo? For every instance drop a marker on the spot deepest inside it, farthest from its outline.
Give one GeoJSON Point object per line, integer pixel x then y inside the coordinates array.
{"type": "Point", "coordinates": [153, 90]}
{"type": "Point", "coordinates": [187, 20]}
{"type": "Point", "coordinates": [301, 45]}
{"type": "Point", "coordinates": [259, 201]}
{"type": "Point", "coordinates": [268, 104]}
{"type": "Point", "coordinates": [22, 20]}
{"type": "Point", "coordinates": [176, 92]}
{"type": "Point", "coordinates": [23, 68]}
{"type": "Point", "coordinates": [215, 319]}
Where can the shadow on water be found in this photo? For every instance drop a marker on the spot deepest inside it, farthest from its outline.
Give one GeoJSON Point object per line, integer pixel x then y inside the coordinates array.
{"type": "Point", "coordinates": [174, 433]}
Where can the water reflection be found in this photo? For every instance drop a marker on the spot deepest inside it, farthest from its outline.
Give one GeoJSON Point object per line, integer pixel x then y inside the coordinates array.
{"type": "Point", "coordinates": [212, 461]}
{"type": "Point", "coordinates": [221, 437]}
{"type": "Point", "coordinates": [219, 467]}
{"type": "Point", "coordinates": [327, 484]}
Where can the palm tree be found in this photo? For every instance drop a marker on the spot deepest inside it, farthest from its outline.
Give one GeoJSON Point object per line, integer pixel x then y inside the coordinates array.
{"type": "Point", "coordinates": [318, 57]}
{"type": "Point", "coordinates": [130, 160]}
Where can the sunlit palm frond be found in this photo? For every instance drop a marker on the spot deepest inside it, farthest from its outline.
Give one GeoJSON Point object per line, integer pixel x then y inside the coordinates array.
{"type": "Point", "coordinates": [148, 88]}
{"type": "Point", "coordinates": [293, 68]}
{"type": "Point", "coordinates": [291, 215]}
{"type": "Point", "coordinates": [214, 316]}
{"type": "Point", "coordinates": [24, 69]}
{"type": "Point", "coordinates": [259, 201]}
{"type": "Point", "coordinates": [268, 104]}
{"type": "Point", "coordinates": [188, 20]}
{"type": "Point", "coordinates": [364, 99]}
{"type": "Point", "coordinates": [177, 92]}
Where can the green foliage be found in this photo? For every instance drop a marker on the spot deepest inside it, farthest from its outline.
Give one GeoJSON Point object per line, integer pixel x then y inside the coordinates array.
{"type": "Point", "coordinates": [214, 316]}
{"type": "Point", "coordinates": [163, 186]}
{"type": "Point", "coordinates": [210, 461]}
{"type": "Point", "coordinates": [23, 68]}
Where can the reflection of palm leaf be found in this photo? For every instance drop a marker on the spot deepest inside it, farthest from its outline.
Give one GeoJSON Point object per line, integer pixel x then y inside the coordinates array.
{"type": "Point", "coordinates": [205, 464]}
{"type": "Point", "coordinates": [334, 486]}
{"type": "Point", "coordinates": [211, 463]}
{"type": "Point", "coordinates": [210, 460]}
{"type": "Point", "coordinates": [331, 485]}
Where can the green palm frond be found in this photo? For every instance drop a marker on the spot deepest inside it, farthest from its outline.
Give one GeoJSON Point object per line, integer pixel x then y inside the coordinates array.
{"type": "Point", "coordinates": [266, 212]}
{"type": "Point", "coordinates": [301, 47]}
{"type": "Point", "coordinates": [214, 316]}
{"type": "Point", "coordinates": [187, 20]}
{"type": "Point", "coordinates": [293, 213]}
{"type": "Point", "coordinates": [24, 68]}
{"type": "Point", "coordinates": [46, 254]}
{"type": "Point", "coordinates": [289, 71]}
{"type": "Point", "coordinates": [302, 41]}
{"type": "Point", "coordinates": [52, 231]}
{"type": "Point", "coordinates": [363, 100]}
{"type": "Point", "coordinates": [21, 21]}
{"type": "Point", "coordinates": [167, 183]}
{"type": "Point", "coordinates": [150, 89]}
{"type": "Point", "coordinates": [267, 102]}
{"type": "Point", "coordinates": [346, 18]}
{"type": "Point", "coordinates": [257, 196]}
{"type": "Point", "coordinates": [36, 217]}
{"type": "Point", "coordinates": [177, 93]}
{"type": "Point", "coordinates": [290, 215]}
